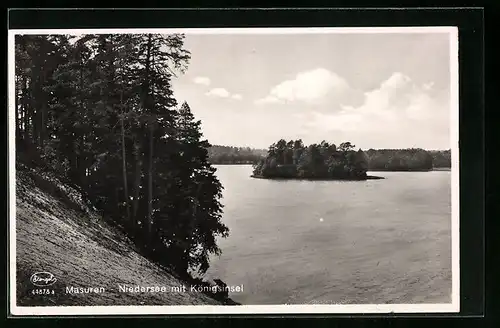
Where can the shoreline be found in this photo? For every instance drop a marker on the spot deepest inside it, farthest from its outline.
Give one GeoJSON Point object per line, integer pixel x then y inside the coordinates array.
{"type": "Point", "coordinates": [427, 170]}
{"type": "Point", "coordinates": [374, 170]}
{"type": "Point", "coordinates": [368, 177]}
{"type": "Point", "coordinates": [382, 170]}
{"type": "Point", "coordinates": [233, 164]}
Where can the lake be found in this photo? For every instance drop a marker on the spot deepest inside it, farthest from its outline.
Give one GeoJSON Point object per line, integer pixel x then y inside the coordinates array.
{"type": "Point", "coordinates": [307, 242]}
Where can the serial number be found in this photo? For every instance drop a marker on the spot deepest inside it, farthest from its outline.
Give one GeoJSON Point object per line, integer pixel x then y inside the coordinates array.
{"type": "Point", "coordinates": [42, 291]}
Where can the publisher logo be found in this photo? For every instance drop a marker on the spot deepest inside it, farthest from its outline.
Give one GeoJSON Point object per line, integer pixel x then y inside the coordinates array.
{"type": "Point", "coordinates": [43, 279]}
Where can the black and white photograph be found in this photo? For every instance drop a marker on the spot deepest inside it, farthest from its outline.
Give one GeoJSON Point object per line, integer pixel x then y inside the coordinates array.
{"type": "Point", "coordinates": [234, 170]}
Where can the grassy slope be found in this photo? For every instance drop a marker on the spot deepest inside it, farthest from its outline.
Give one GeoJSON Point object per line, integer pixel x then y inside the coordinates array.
{"type": "Point", "coordinates": [55, 232]}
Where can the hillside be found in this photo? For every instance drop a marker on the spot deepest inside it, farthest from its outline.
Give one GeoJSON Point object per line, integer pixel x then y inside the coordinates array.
{"type": "Point", "coordinates": [57, 233]}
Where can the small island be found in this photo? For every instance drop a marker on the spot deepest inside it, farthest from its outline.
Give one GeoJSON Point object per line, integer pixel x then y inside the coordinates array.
{"type": "Point", "coordinates": [324, 161]}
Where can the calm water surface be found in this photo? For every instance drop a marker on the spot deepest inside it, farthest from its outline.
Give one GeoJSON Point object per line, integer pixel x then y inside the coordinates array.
{"type": "Point", "coordinates": [375, 241]}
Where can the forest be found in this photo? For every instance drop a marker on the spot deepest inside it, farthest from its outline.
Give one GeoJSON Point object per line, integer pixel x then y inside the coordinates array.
{"type": "Point", "coordinates": [99, 111]}
{"type": "Point", "coordinates": [235, 155]}
{"type": "Point", "coordinates": [399, 160]}
{"type": "Point", "coordinates": [292, 159]}
{"type": "Point", "coordinates": [413, 159]}
{"type": "Point", "coordinates": [441, 158]}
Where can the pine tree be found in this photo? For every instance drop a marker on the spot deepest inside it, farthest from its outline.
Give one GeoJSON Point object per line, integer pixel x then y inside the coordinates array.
{"type": "Point", "coordinates": [206, 191]}
{"type": "Point", "coordinates": [191, 219]}
{"type": "Point", "coordinates": [94, 103]}
{"type": "Point", "coordinates": [158, 56]}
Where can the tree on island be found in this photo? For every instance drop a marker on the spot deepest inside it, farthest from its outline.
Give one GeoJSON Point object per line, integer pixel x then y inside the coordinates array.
{"type": "Point", "coordinates": [293, 159]}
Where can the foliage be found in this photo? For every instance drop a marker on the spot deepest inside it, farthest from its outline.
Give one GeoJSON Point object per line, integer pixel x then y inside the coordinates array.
{"type": "Point", "coordinates": [441, 158]}
{"type": "Point", "coordinates": [234, 155]}
{"type": "Point", "coordinates": [100, 111]}
{"type": "Point", "coordinates": [292, 159]}
{"type": "Point", "coordinates": [413, 159]}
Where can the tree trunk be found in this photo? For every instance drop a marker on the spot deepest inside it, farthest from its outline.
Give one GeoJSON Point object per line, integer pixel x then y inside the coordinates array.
{"type": "Point", "coordinates": [30, 114]}
{"type": "Point", "coordinates": [43, 110]}
{"type": "Point", "coordinates": [146, 104]}
{"type": "Point", "coordinates": [34, 100]}
{"type": "Point", "coordinates": [137, 184]}
{"type": "Point", "coordinates": [124, 163]}
{"type": "Point", "coordinates": [18, 110]}
{"type": "Point", "coordinates": [40, 96]}
{"type": "Point", "coordinates": [80, 137]}
{"type": "Point", "coordinates": [43, 124]}
{"type": "Point", "coordinates": [150, 182]}
{"type": "Point", "coordinates": [73, 159]}
{"type": "Point", "coordinates": [37, 126]}
{"type": "Point", "coordinates": [124, 153]}
{"type": "Point", "coordinates": [25, 108]}
{"type": "Point", "coordinates": [82, 169]}
{"type": "Point", "coordinates": [24, 98]}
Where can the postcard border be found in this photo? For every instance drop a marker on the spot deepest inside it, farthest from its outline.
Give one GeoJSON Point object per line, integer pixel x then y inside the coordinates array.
{"type": "Point", "coordinates": [452, 307]}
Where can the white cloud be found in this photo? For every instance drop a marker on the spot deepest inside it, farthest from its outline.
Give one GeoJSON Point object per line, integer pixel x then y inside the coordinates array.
{"type": "Point", "coordinates": [202, 80]}
{"type": "Point", "coordinates": [309, 86]}
{"type": "Point", "coordinates": [223, 93]}
{"type": "Point", "coordinates": [393, 94]}
{"type": "Point", "coordinates": [428, 86]}
{"type": "Point", "coordinates": [218, 92]}
{"type": "Point", "coordinates": [398, 107]}
{"type": "Point", "coordinates": [396, 81]}
{"type": "Point", "coordinates": [268, 100]}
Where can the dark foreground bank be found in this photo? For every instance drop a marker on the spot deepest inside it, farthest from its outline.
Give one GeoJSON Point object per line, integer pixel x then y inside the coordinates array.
{"type": "Point", "coordinates": [88, 260]}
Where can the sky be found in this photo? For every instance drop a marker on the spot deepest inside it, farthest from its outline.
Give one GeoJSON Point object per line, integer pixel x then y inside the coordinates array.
{"type": "Point", "coordinates": [374, 90]}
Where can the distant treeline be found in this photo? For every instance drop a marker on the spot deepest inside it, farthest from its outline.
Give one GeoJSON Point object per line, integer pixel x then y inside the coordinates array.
{"type": "Point", "coordinates": [235, 155]}
{"type": "Point", "coordinates": [399, 160]}
{"type": "Point", "coordinates": [441, 158]}
{"type": "Point", "coordinates": [292, 159]}
{"type": "Point", "coordinates": [413, 159]}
